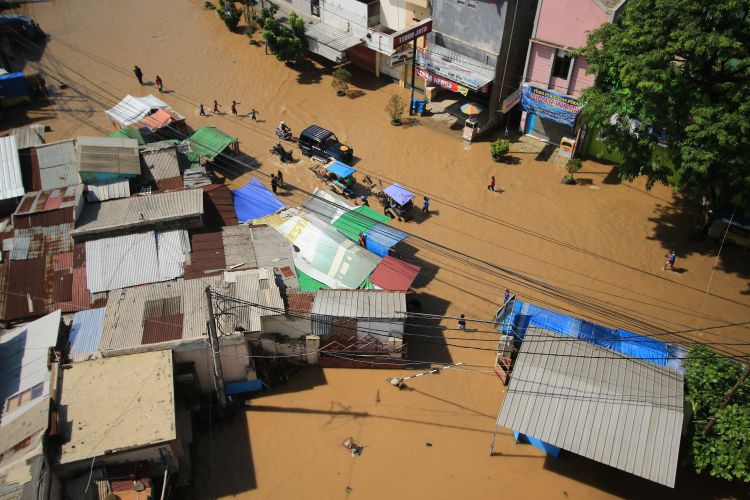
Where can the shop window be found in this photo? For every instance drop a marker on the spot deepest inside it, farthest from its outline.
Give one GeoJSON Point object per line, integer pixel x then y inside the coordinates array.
{"type": "Point", "coordinates": [561, 64]}
{"type": "Point", "coordinates": [18, 400]}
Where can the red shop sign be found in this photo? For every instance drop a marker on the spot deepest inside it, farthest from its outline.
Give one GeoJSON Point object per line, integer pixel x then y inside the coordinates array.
{"type": "Point", "coordinates": [437, 80]}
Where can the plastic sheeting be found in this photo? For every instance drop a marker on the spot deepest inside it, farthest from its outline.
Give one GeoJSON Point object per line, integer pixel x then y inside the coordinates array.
{"type": "Point", "coordinates": [208, 142]}
{"type": "Point", "coordinates": [132, 110]}
{"type": "Point", "coordinates": [254, 200]}
{"type": "Point", "coordinates": [399, 194]}
{"type": "Point", "coordinates": [394, 274]}
{"type": "Point", "coordinates": [381, 238]}
{"type": "Point", "coordinates": [340, 169]}
{"type": "Point", "coordinates": [321, 252]}
{"type": "Point", "coordinates": [527, 315]}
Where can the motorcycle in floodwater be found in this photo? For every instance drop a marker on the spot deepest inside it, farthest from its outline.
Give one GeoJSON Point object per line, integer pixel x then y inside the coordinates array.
{"type": "Point", "coordinates": [285, 135]}
{"type": "Point", "coordinates": [284, 155]}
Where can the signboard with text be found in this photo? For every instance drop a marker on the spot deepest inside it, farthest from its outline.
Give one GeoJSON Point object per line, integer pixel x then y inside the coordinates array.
{"type": "Point", "coordinates": [411, 33]}
{"type": "Point", "coordinates": [511, 100]}
{"type": "Point", "coordinates": [400, 57]}
{"type": "Point", "coordinates": [447, 68]}
{"type": "Point", "coordinates": [559, 108]}
{"type": "Point", "coordinates": [434, 79]}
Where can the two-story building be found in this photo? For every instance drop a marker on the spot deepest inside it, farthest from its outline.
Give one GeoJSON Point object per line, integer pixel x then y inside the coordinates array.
{"type": "Point", "coordinates": [554, 77]}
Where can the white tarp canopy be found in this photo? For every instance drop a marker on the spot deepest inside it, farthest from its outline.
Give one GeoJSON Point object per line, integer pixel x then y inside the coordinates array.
{"type": "Point", "coordinates": [132, 109]}
{"type": "Point", "coordinates": [324, 254]}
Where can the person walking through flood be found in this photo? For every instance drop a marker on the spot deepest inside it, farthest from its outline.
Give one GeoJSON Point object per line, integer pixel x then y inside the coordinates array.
{"type": "Point", "coordinates": [253, 115]}
{"type": "Point", "coordinates": [202, 111]}
{"type": "Point", "coordinates": [234, 107]}
{"type": "Point", "coordinates": [426, 205]}
{"type": "Point", "coordinates": [491, 186]}
{"type": "Point", "coordinates": [159, 83]}
{"type": "Point", "coordinates": [462, 322]}
{"type": "Point", "coordinates": [138, 74]}
{"type": "Point", "coordinates": [274, 183]}
{"type": "Point", "coordinates": [671, 258]}
{"type": "Point", "coordinates": [216, 107]}
{"type": "Point", "coordinates": [280, 179]}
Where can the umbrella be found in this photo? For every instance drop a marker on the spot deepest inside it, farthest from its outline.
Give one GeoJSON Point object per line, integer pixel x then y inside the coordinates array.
{"type": "Point", "coordinates": [470, 109]}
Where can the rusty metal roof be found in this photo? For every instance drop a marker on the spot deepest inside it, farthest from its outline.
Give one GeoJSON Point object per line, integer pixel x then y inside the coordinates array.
{"type": "Point", "coordinates": [52, 199]}
{"type": "Point", "coordinates": [218, 206]}
{"type": "Point", "coordinates": [207, 256]}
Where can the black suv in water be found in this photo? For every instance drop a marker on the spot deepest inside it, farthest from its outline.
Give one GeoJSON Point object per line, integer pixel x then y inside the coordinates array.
{"type": "Point", "coordinates": [318, 141]}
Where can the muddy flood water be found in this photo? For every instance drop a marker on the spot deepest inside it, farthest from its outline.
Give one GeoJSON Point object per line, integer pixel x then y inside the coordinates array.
{"type": "Point", "coordinates": [595, 250]}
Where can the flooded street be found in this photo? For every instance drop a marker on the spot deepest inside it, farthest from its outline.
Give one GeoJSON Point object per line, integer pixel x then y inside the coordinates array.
{"type": "Point", "coordinates": [595, 250]}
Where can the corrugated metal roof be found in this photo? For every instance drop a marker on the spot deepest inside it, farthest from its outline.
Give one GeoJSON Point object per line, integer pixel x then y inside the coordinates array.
{"type": "Point", "coordinates": [219, 206]}
{"type": "Point", "coordinates": [11, 182]}
{"type": "Point", "coordinates": [28, 136]}
{"type": "Point", "coordinates": [110, 191]}
{"type": "Point", "coordinates": [326, 206]}
{"type": "Point", "coordinates": [123, 321]}
{"type": "Point", "coordinates": [141, 211]}
{"type": "Point", "coordinates": [600, 404]}
{"type": "Point", "coordinates": [26, 294]}
{"type": "Point", "coordinates": [85, 333]}
{"type": "Point", "coordinates": [160, 161]}
{"type": "Point", "coordinates": [207, 256]}
{"type": "Point", "coordinates": [53, 199]}
{"type": "Point", "coordinates": [332, 37]}
{"type": "Point", "coordinates": [360, 304]}
{"type": "Point", "coordinates": [24, 351]}
{"type": "Point", "coordinates": [58, 165]}
{"type": "Point", "coordinates": [134, 259]}
{"type": "Point", "coordinates": [273, 250]}
{"type": "Point", "coordinates": [108, 154]}
{"type": "Point", "coordinates": [259, 287]}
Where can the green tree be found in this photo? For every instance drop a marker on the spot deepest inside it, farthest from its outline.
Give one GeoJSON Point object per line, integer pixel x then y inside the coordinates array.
{"type": "Point", "coordinates": [230, 15]}
{"type": "Point", "coordinates": [676, 72]}
{"type": "Point", "coordinates": [288, 44]}
{"type": "Point", "coordinates": [725, 451]}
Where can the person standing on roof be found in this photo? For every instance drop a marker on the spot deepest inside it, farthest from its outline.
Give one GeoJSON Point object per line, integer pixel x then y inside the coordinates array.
{"type": "Point", "coordinates": [138, 74]}
{"type": "Point", "coordinates": [362, 240]}
{"type": "Point", "coordinates": [159, 83]}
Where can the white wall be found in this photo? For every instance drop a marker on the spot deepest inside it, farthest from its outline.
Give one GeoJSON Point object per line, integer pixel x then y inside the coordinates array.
{"type": "Point", "coordinates": [379, 330]}
{"type": "Point", "coordinates": [347, 15]}
{"type": "Point", "coordinates": [290, 326]}
{"type": "Point", "coordinates": [393, 14]}
{"type": "Point", "coordinates": [234, 361]}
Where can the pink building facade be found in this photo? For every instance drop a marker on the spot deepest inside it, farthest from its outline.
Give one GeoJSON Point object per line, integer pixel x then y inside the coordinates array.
{"type": "Point", "coordinates": [560, 27]}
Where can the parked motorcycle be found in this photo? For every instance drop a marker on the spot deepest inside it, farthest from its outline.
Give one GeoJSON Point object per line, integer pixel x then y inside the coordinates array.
{"type": "Point", "coordinates": [284, 155]}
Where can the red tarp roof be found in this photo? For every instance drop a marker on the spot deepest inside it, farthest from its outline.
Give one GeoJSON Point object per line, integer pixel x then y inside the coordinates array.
{"type": "Point", "coordinates": [394, 274]}
{"type": "Point", "coordinates": [161, 118]}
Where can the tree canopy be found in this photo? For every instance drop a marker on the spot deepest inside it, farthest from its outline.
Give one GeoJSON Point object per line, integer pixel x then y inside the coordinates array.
{"type": "Point", "coordinates": [675, 74]}
{"type": "Point", "coordinates": [288, 44]}
{"type": "Point", "coordinates": [725, 451]}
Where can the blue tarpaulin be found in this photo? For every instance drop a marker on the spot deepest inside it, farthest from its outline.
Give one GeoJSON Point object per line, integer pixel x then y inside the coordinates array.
{"type": "Point", "coordinates": [381, 238]}
{"type": "Point", "coordinates": [86, 331]}
{"type": "Point", "coordinates": [526, 315]}
{"type": "Point", "coordinates": [549, 449]}
{"type": "Point", "coordinates": [399, 194]}
{"type": "Point", "coordinates": [13, 85]}
{"type": "Point", "coordinates": [559, 108]}
{"type": "Point", "coordinates": [244, 386]}
{"type": "Point", "coordinates": [340, 169]}
{"type": "Point", "coordinates": [254, 200]}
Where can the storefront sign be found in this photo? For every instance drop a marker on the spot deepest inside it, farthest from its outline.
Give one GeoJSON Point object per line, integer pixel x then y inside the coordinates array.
{"type": "Point", "coordinates": [445, 67]}
{"type": "Point", "coordinates": [440, 81]}
{"type": "Point", "coordinates": [559, 108]}
{"type": "Point", "coordinates": [511, 100]}
{"type": "Point", "coordinates": [407, 35]}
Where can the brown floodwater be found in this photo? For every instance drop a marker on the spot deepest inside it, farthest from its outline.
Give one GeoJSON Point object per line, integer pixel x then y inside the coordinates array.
{"type": "Point", "coordinates": [595, 249]}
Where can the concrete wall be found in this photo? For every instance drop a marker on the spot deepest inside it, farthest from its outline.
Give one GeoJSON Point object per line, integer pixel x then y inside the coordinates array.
{"type": "Point", "coordinates": [579, 80]}
{"type": "Point", "coordinates": [393, 14]}
{"type": "Point", "coordinates": [346, 15]}
{"type": "Point", "coordinates": [234, 361]}
{"type": "Point", "coordinates": [152, 454]}
{"type": "Point", "coordinates": [473, 28]}
{"type": "Point", "coordinates": [565, 22]}
{"type": "Point", "coordinates": [290, 326]}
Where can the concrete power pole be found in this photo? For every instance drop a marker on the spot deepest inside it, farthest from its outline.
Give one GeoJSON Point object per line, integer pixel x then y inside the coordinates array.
{"type": "Point", "coordinates": [214, 340]}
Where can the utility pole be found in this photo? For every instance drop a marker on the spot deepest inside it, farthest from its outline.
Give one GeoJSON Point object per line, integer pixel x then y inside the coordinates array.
{"type": "Point", "coordinates": [727, 399]}
{"type": "Point", "coordinates": [214, 340]}
{"type": "Point", "coordinates": [413, 72]}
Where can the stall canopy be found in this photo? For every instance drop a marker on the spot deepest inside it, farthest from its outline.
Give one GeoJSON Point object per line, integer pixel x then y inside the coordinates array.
{"type": "Point", "coordinates": [323, 253]}
{"type": "Point", "coordinates": [340, 169]}
{"type": "Point", "coordinates": [161, 118]}
{"type": "Point", "coordinates": [394, 274]}
{"type": "Point", "coordinates": [132, 110]}
{"type": "Point", "coordinates": [398, 194]}
{"type": "Point", "coordinates": [379, 238]}
{"type": "Point", "coordinates": [254, 200]}
{"type": "Point", "coordinates": [208, 142]}
{"type": "Point", "coordinates": [329, 41]}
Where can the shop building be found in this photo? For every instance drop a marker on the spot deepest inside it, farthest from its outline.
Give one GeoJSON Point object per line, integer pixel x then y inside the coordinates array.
{"type": "Point", "coordinates": [475, 49]}
{"type": "Point", "coordinates": [554, 77]}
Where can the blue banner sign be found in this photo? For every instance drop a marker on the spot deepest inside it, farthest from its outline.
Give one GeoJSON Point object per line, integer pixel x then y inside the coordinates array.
{"type": "Point", "coordinates": [559, 108]}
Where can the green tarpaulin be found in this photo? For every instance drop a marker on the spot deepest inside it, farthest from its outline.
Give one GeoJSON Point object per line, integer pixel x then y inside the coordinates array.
{"type": "Point", "coordinates": [208, 142]}
{"type": "Point", "coordinates": [308, 284]}
{"type": "Point", "coordinates": [359, 220]}
{"type": "Point", "coordinates": [128, 133]}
